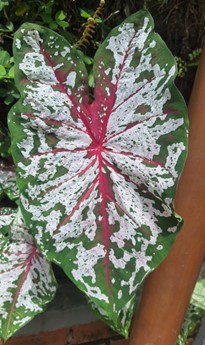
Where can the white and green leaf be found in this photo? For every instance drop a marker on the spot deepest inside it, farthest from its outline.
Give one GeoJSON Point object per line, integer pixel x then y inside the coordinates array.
{"type": "Point", "coordinates": [8, 184]}
{"type": "Point", "coordinates": [198, 296]}
{"type": "Point", "coordinates": [98, 180]}
{"type": "Point", "coordinates": [7, 216]}
{"type": "Point", "coordinates": [190, 323]}
{"type": "Point", "coordinates": [27, 282]}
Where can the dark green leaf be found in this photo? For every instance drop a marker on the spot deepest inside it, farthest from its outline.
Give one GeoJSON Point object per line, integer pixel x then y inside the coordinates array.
{"type": "Point", "coordinates": [63, 24]}
{"type": "Point", "coordinates": [84, 14]}
{"type": "Point", "coordinates": [2, 71]}
{"type": "Point", "coordinates": [60, 15]}
{"type": "Point", "coordinates": [53, 25]}
{"type": "Point", "coordinates": [46, 18]}
{"type": "Point", "coordinates": [11, 72]}
{"type": "Point", "coordinates": [3, 3]}
{"type": "Point", "coordinates": [21, 9]}
{"type": "Point", "coordinates": [4, 57]}
{"type": "Point", "coordinates": [9, 99]}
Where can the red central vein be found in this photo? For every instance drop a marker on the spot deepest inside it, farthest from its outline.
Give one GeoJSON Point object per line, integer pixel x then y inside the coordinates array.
{"type": "Point", "coordinates": [106, 232]}
{"type": "Point", "coordinates": [71, 98]}
{"type": "Point", "coordinates": [28, 263]}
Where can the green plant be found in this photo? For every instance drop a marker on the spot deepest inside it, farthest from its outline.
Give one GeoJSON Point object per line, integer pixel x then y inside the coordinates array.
{"type": "Point", "coordinates": [6, 65]}
{"type": "Point", "coordinates": [193, 60]}
{"type": "Point", "coordinates": [97, 180]}
{"type": "Point", "coordinates": [195, 311]}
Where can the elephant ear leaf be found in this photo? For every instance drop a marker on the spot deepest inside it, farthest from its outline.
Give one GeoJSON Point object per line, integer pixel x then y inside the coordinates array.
{"type": "Point", "coordinates": [27, 283]}
{"type": "Point", "coordinates": [7, 216]}
{"type": "Point", "coordinates": [98, 180]}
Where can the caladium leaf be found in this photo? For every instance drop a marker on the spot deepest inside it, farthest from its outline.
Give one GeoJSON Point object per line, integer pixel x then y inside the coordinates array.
{"type": "Point", "coordinates": [189, 326]}
{"type": "Point", "coordinates": [198, 296]}
{"type": "Point", "coordinates": [27, 282]}
{"type": "Point", "coordinates": [7, 216]}
{"type": "Point", "coordinates": [8, 184]}
{"type": "Point", "coordinates": [98, 180]}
